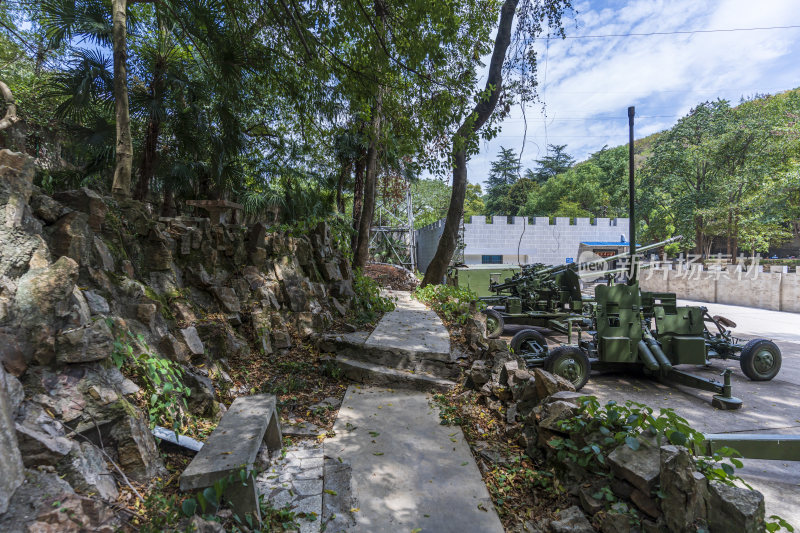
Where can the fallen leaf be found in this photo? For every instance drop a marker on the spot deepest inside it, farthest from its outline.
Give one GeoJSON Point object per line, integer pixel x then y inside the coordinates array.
{"type": "Point", "coordinates": [378, 453]}
{"type": "Point", "coordinates": [329, 491]}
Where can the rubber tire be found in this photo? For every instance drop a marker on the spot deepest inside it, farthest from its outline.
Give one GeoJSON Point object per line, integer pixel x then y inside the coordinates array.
{"type": "Point", "coordinates": [747, 360]}
{"type": "Point", "coordinates": [496, 332]}
{"type": "Point", "coordinates": [569, 352]}
{"type": "Point", "coordinates": [527, 335]}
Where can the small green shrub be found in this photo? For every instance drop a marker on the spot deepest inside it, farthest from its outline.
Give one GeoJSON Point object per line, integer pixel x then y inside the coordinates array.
{"type": "Point", "coordinates": [160, 378]}
{"type": "Point", "coordinates": [451, 303]}
{"type": "Point", "coordinates": [369, 305]}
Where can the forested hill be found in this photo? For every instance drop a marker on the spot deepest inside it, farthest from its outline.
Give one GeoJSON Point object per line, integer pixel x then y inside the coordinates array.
{"type": "Point", "coordinates": [725, 177]}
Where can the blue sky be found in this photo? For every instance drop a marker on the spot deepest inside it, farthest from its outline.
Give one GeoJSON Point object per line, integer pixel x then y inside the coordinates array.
{"type": "Point", "coordinates": [586, 85]}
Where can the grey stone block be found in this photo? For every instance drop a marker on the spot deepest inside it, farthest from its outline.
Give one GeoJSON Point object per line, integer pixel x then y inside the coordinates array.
{"type": "Point", "coordinates": [234, 444]}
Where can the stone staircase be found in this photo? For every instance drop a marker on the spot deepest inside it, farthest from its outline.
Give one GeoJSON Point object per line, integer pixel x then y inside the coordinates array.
{"type": "Point", "coordinates": [409, 348]}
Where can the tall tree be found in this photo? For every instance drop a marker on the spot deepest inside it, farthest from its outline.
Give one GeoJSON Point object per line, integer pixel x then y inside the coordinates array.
{"type": "Point", "coordinates": [503, 175]}
{"type": "Point", "coordinates": [556, 161]}
{"type": "Point", "coordinates": [532, 15]}
{"type": "Point", "coordinates": [121, 186]}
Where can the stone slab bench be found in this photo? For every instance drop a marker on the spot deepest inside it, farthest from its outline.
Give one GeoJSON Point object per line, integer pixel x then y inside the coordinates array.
{"type": "Point", "coordinates": [233, 446]}
{"type": "Point", "coordinates": [219, 211]}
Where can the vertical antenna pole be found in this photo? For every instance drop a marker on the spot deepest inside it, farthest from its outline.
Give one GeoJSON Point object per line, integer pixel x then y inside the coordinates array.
{"type": "Point", "coordinates": [631, 197]}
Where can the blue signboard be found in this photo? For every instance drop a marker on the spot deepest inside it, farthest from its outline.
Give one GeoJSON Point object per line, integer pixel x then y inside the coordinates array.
{"type": "Point", "coordinates": [570, 260]}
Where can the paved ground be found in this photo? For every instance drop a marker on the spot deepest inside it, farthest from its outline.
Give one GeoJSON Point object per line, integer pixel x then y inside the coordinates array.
{"type": "Point", "coordinates": [769, 407]}
{"type": "Point", "coordinates": [411, 327]}
{"type": "Point", "coordinates": [409, 471]}
{"type": "Point", "coordinates": [295, 480]}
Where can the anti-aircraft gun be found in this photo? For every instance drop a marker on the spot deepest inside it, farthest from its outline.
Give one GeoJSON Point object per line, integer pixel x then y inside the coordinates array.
{"type": "Point", "coordinates": [549, 296]}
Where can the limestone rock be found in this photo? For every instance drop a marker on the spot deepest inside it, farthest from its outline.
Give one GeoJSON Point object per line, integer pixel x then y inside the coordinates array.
{"type": "Point", "coordinates": [734, 508]}
{"type": "Point", "coordinates": [71, 237]}
{"type": "Point", "coordinates": [173, 349]}
{"type": "Point", "coordinates": [566, 396]}
{"type": "Point", "coordinates": [571, 520]}
{"type": "Point", "coordinates": [344, 289]}
{"type": "Point", "coordinates": [193, 340]}
{"type": "Point", "coordinates": [103, 254]}
{"type": "Point", "coordinates": [87, 472]}
{"type": "Point", "coordinates": [136, 449]}
{"type": "Point", "coordinates": [41, 438]}
{"type": "Point", "coordinates": [97, 304]}
{"type": "Point", "coordinates": [342, 310]}
{"type": "Point", "coordinates": [553, 413]}
{"type": "Point", "coordinates": [200, 525]}
{"type": "Point", "coordinates": [228, 299]}
{"type": "Point", "coordinates": [10, 457]}
{"type": "Point", "coordinates": [202, 400]}
{"type": "Point", "coordinates": [480, 374]}
{"type": "Point", "coordinates": [76, 514]}
{"type": "Point", "coordinates": [547, 383]}
{"type": "Point", "coordinates": [86, 201]}
{"type": "Point", "coordinates": [641, 468]}
{"type": "Point", "coordinates": [281, 339]}
{"type": "Point", "coordinates": [331, 271]}
{"type": "Point", "coordinates": [46, 208]}
{"type": "Point", "coordinates": [83, 345]}
{"type": "Point", "coordinates": [40, 290]}
{"type": "Point", "coordinates": [13, 387]}
{"type": "Point", "coordinates": [684, 489]}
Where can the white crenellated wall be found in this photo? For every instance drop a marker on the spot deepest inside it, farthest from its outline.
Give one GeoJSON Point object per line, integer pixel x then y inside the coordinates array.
{"type": "Point", "coordinates": [535, 237]}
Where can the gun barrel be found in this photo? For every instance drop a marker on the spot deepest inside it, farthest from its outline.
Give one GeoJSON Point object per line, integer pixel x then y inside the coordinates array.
{"type": "Point", "coordinates": [625, 255]}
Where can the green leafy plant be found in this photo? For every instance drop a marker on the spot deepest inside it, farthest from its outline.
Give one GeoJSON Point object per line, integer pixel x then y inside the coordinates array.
{"type": "Point", "coordinates": [602, 428]}
{"type": "Point", "coordinates": [160, 378]}
{"type": "Point", "coordinates": [454, 304]}
{"type": "Point", "coordinates": [368, 304]}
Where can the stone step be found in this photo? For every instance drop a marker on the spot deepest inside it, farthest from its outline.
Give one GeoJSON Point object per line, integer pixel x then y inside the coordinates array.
{"type": "Point", "coordinates": [354, 346]}
{"type": "Point", "coordinates": [366, 372]}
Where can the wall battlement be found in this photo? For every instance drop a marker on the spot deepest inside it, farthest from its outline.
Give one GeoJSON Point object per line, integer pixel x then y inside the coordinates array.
{"type": "Point", "coordinates": [550, 240]}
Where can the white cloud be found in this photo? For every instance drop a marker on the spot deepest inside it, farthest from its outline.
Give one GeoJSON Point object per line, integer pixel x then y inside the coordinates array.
{"type": "Point", "coordinates": [587, 84]}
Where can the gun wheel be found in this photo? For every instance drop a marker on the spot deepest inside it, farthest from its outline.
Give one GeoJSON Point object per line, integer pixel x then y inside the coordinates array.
{"type": "Point", "coordinates": [494, 323]}
{"type": "Point", "coordinates": [570, 363]}
{"type": "Point", "coordinates": [530, 345]}
{"type": "Point", "coordinates": [760, 360]}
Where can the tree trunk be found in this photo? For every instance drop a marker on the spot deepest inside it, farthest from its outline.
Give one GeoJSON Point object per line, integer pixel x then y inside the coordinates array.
{"type": "Point", "coordinates": [148, 165]}
{"type": "Point", "coordinates": [361, 252]}
{"type": "Point", "coordinates": [148, 168]}
{"type": "Point", "coordinates": [358, 199]}
{"type": "Point", "coordinates": [121, 187]}
{"type": "Point", "coordinates": [480, 114]}
{"type": "Point", "coordinates": [11, 108]}
{"type": "Point", "coordinates": [347, 165]}
{"type": "Point", "coordinates": [168, 205]}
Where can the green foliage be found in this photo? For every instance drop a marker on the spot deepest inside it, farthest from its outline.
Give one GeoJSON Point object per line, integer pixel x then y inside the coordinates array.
{"type": "Point", "coordinates": [431, 199]}
{"type": "Point", "coordinates": [502, 177]}
{"type": "Point", "coordinates": [160, 378]}
{"type": "Point", "coordinates": [606, 427]}
{"type": "Point", "coordinates": [454, 304]}
{"type": "Point", "coordinates": [556, 161]}
{"type": "Point", "coordinates": [368, 304]}
{"type": "Point", "coordinates": [448, 413]}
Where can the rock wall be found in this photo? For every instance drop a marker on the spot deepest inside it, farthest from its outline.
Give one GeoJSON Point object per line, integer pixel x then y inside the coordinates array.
{"type": "Point", "coordinates": [78, 270]}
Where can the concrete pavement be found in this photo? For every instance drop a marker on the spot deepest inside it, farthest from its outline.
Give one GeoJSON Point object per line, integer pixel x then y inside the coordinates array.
{"type": "Point", "coordinates": [409, 473]}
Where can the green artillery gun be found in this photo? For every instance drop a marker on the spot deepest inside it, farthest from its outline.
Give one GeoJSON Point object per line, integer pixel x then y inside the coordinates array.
{"type": "Point", "coordinates": [548, 296]}
{"type": "Point", "coordinates": [625, 333]}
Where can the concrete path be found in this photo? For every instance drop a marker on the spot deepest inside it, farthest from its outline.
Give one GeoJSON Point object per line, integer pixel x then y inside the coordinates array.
{"type": "Point", "coordinates": [411, 327]}
{"type": "Point", "coordinates": [409, 472]}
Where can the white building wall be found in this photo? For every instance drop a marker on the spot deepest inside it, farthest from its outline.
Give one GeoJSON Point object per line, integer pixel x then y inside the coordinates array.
{"type": "Point", "coordinates": [536, 238]}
